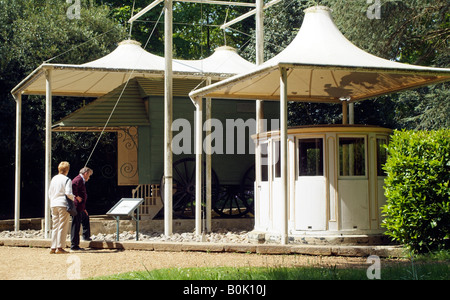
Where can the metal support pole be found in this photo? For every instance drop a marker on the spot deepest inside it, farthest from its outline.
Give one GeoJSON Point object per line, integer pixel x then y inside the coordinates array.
{"type": "Point", "coordinates": [48, 148]}
{"type": "Point", "coordinates": [168, 105]}
{"type": "Point", "coordinates": [117, 227]}
{"type": "Point", "coordinates": [137, 223]}
{"type": "Point", "coordinates": [259, 32]}
{"type": "Point", "coordinates": [283, 156]}
{"type": "Point", "coordinates": [344, 112]}
{"type": "Point", "coordinates": [259, 59]}
{"type": "Point", "coordinates": [248, 14]}
{"type": "Point", "coordinates": [18, 98]}
{"type": "Point", "coordinates": [259, 18]}
{"type": "Point", "coordinates": [208, 160]}
{"type": "Point", "coordinates": [198, 165]}
{"type": "Point", "coordinates": [351, 113]}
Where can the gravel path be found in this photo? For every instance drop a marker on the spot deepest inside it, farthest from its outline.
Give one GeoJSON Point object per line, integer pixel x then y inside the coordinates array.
{"type": "Point", "coordinates": [37, 263]}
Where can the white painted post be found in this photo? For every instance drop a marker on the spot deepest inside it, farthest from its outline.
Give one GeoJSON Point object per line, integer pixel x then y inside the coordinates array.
{"type": "Point", "coordinates": [259, 103]}
{"type": "Point", "coordinates": [48, 147]}
{"type": "Point", "coordinates": [198, 165]}
{"type": "Point", "coordinates": [259, 18]}
{"type": "Point", "coordinates": [18, 99]}
{"type": "Point", "coordinates": [283, 155]}
{"type": "Point", "coordinates": [208, 161]}
{"type": "Point", "coordinates": [259, 59]}
{"type": "Point", "coordinates": [344, 112]}
{"type": "Point", "coordinates": [168, 106]}
{"type": "Point", "coordinates": [351, 113]}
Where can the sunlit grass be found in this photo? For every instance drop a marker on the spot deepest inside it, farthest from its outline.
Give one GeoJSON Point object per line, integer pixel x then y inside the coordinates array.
{"type": "Point", "coordinates": [421, 271]}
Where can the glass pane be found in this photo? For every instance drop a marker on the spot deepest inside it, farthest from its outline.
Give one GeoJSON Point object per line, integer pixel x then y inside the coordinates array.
{"type": "Point", "coordinates": [264, 162]}
{"type": "Point", "coordinates": [277, 159]}
{"type": "Point", "coordinates": [310, 152]}
{"type": "Point", "coordinates": [352, 157]}
{"type": "Point", "coordinates": [381, 156]}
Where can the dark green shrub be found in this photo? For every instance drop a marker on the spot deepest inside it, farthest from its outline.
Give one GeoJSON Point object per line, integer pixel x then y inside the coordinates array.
{"type": "Point", "coordinates": [417, 213]}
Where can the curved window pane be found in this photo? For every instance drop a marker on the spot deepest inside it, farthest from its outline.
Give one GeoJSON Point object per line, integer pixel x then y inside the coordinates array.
{"type": "Point", "coordinates": [352, 157]}
{"type": "Point", "coordinates": [310, 153]}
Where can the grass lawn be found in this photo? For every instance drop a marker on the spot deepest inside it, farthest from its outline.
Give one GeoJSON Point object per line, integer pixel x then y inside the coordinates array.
{"type": "Point", "coordinates": [407, 271]}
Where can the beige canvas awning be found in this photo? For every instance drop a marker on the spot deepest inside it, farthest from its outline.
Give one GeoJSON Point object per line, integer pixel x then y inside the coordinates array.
{"type": "Point", "coordinates": [323, 66]}
{"type": "Point", "coordinates": [127, 61]}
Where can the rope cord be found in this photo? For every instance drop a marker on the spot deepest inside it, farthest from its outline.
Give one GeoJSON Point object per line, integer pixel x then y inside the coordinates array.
{"type": "Point", "coordinates": [78, 46]}
{"type": "Point", "coordinates": [121, 93]}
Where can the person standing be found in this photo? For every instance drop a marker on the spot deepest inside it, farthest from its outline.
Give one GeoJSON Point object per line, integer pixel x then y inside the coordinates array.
{"type": "Point", "coordinates": [60, 187]}
{"type": "Point", "coordinates": [82, 218]}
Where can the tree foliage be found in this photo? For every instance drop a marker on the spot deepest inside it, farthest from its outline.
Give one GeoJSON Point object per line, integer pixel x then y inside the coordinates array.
{"type": "Point", "coordinates": [414, 32]}
{"type": "Point", "coordinates": [196, 31]}
{"type": "Point", "coordinates": [32, 32]}
{"type": "Point", "coordinates": [417, 213]}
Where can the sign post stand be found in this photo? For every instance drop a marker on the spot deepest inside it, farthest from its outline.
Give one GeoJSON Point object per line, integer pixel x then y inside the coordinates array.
{"type": "Point", "coordinates": [126, 207]}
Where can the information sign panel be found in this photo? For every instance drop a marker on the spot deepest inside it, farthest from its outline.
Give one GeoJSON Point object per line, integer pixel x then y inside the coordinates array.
{"type": "Point", "coordinates": [125, 207]}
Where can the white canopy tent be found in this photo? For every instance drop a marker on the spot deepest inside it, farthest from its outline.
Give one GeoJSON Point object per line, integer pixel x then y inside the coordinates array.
{"type": "Point", "coordinates": [323, 66]}
{"type": "Point", "coordinates": [128, 60]}
{"type": "Point", "coordinates": [320, 65]}
{"type": "Point", "coordinates": [101, 76]}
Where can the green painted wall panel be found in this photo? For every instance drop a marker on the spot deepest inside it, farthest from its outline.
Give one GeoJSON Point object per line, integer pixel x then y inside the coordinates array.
{"type": "Point", "coordinates": [132, 111]}
{"type": "Point", "coordinates": [229, 168]}
{"type": "Point", "coordinates": [144, 155]}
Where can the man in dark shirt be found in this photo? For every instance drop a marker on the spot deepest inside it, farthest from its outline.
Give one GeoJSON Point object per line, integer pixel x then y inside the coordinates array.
{"type": "Point", "coordinates": [82, 218]}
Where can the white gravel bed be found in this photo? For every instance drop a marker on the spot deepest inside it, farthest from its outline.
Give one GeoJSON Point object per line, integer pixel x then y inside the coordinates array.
{"type": "Point", "coordinates": [214, 237]}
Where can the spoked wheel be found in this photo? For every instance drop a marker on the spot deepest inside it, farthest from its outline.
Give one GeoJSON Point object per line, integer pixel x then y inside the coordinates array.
{"type": "Point", "coordinates": [237, 200]}
{"type": "Point", "coordinates": [183, 179]}
{"type": "Point", "coordinates": [230, 203]}
{"type": "Point", "coordinates": [248, 189]}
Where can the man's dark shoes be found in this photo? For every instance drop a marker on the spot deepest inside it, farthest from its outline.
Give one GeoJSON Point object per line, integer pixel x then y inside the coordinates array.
{"type": "Point", "coordinates": [77, 248]}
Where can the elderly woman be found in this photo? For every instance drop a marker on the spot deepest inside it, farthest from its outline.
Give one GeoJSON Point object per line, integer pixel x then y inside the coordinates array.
{"type": "Point", "coordinates": [60, 187]}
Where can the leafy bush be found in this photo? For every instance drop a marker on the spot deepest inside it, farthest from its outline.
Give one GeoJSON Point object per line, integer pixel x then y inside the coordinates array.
{"type": "Point", "coordinates": [417, 213]}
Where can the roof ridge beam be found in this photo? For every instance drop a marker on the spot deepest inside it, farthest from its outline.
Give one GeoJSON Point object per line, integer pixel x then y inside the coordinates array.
{"type": "Point", "coordinates": [217, 2]}
{"type": "Point", "coordinates": [248, 14]}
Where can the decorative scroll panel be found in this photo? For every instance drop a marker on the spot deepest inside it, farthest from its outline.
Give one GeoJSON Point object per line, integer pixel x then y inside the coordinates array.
{"type": "Point", "coordinates": [127, 156]}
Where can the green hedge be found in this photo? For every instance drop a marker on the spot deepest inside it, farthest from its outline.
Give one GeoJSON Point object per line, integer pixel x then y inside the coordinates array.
{"type": "Point", "coordinates": [417, 213]}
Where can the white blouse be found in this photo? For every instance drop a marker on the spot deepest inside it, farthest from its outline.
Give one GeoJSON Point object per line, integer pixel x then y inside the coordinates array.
{"type": "Point", "coordinates": [59, 189]}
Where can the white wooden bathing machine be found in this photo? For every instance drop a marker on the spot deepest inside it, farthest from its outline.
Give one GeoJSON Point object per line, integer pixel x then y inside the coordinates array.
{"type": "Point", "coordinates": [335, 180]}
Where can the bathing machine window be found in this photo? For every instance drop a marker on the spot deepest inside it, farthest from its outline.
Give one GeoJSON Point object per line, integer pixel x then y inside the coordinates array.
{"type": "Point", "coordinates": [310, 157]}
{"type": "Point", "coordinates": [352, 156]}
{"type": "Point", "coordinates": [381, 156]}
{"type": "Point", "coordinates": [264, 161]}
{"type": "Point", "coordinates": [276, 159]}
